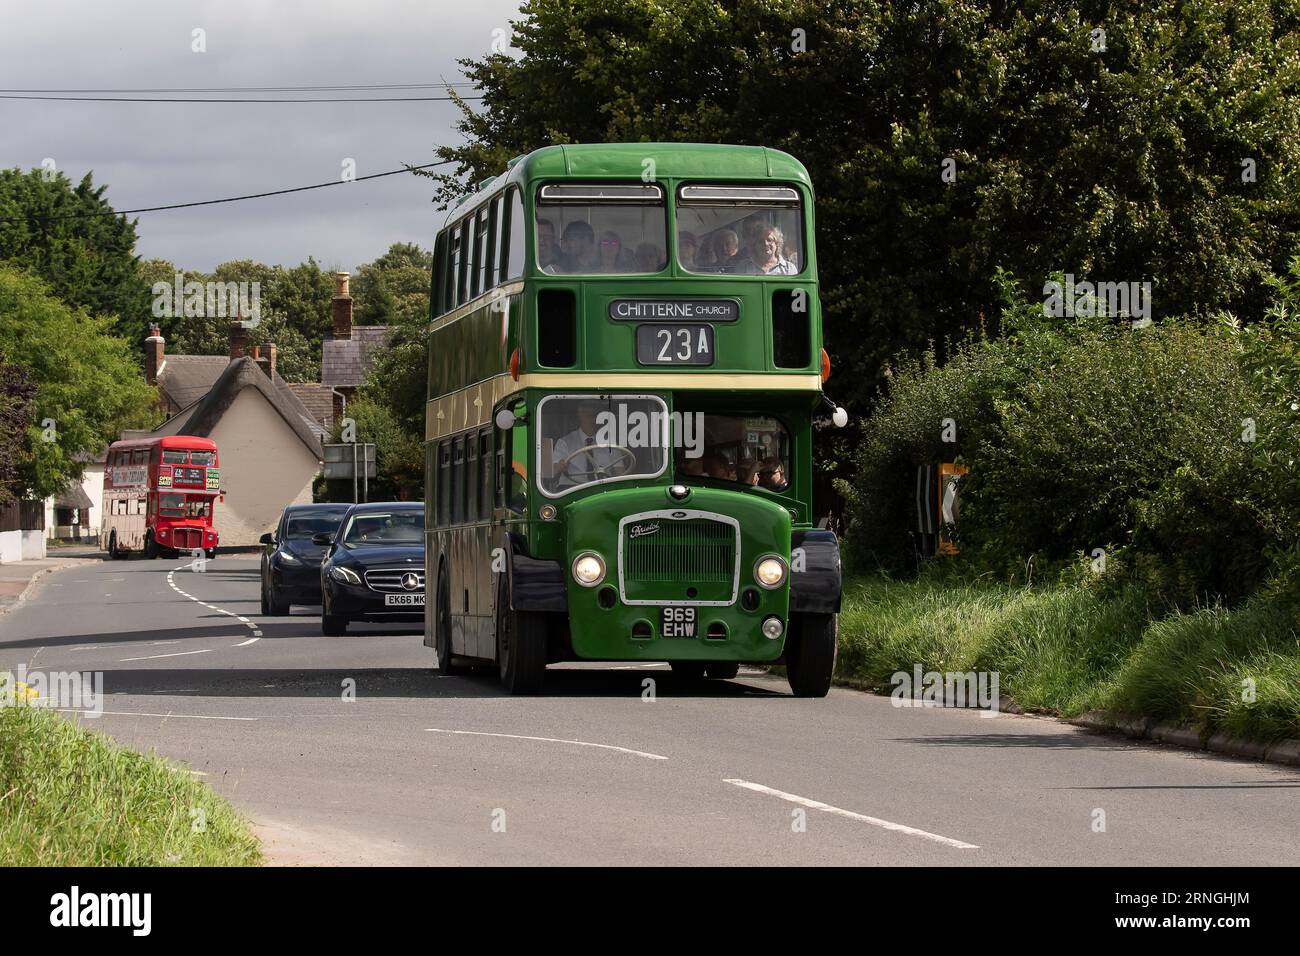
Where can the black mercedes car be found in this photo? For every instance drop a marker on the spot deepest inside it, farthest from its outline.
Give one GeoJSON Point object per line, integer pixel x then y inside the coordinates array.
{"type": "Point", "coordinates": [291, 560]}
{"type": "Point", "coordinates": [374, 566]}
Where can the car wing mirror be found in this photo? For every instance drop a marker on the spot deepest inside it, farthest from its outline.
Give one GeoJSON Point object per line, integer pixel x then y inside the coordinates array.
{"type": "Point", "coordinates": [266, 539]}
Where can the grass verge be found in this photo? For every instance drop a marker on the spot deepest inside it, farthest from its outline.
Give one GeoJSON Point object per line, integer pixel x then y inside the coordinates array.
{"type": "Point", "coordinates": [1068, 648]}
{"type": "Point", "coordinates": [69, 797]}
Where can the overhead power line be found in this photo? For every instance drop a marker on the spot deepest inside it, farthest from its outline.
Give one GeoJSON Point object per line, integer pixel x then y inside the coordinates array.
{"type": "Point", "coordinates": [213, 202]}
{"type": "Point", "coordinates": [152, 99]}
{"type": "Point", "coordinates": [249, 89]}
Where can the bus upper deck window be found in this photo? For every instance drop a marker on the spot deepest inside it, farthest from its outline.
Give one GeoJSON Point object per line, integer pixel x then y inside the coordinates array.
{"type": "Point", "coordinates": [594, 228]}
{"type": "Point", "coordinates": [740, 230]}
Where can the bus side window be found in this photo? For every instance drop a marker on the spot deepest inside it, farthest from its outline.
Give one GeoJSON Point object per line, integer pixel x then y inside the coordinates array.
{"type": "Point", "coordinates": [430, 484]}
{"type": "Point", "coordinates": [485, 476]}
{"type": "Point", "coordinates": [500, 470]}
{"type": "Point", "coordinates": [462, 267]}
{"type": "Point", "coordinates": [471, 477]}
{"type": "Point", "coordinates": [492, 256]}
{"type": "Point", "coordinates": [476, 260]}
{"type": "Point", "coordinates": [518, 464]}
{"type": "Point", "coordinates": [444, 481]}
{"type": "Point", "coordinates": [138, 456]}
{"type": "Point", "coordinates": [458, 482]}
{"type": "Point", "coordinates": [515, 254]}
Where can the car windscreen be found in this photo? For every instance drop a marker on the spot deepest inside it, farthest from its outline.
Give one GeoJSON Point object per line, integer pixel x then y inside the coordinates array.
{"type": "Point", "coordinates": [306, 525]}
{"type": "Point", "coordinates": [389, 528]}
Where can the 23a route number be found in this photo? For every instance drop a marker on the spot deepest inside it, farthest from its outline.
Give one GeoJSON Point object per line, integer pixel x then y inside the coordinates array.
{"type": "Point", "coordinates": [674, 344]}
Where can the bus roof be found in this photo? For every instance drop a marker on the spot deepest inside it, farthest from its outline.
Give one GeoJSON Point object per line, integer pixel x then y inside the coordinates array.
{"type": "Point", "coordinates": [713, 161]}
{"type": "Point", "coordinates": [167, 441]}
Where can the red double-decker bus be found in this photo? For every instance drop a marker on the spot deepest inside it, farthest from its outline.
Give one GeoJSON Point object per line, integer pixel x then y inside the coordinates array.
{"type": "Point", "coordinates": [159, 495]}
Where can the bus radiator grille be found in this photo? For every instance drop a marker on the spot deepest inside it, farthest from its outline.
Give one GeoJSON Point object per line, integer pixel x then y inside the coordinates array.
{"type": "Point", "coordinates": [696, 551]}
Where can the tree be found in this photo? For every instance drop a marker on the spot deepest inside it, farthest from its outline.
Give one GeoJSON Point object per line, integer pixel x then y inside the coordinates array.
{"type": "Point", "coordinates": [70, 237]}
{"type": "Point", "coordinates": [88, 385]}
{"type": "Point", "coordinates": [394, 289]}
{"type": "Point", "coordinates": [16, 393]}
{"type": "Point", "coordinates": [293, 312]}
{"type": "Point", "coordinates": [1076, 138]}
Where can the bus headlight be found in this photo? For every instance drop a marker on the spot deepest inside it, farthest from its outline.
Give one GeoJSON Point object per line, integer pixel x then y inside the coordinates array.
{"type": "Point", "coordinates": [769, 571]}
{"type": "Point", "coordinates": [346, 575]}
{"type": "Point", "coordinates": [589, 569]}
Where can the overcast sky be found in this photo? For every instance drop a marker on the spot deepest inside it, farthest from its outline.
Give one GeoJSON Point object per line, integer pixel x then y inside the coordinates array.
{"type": "Point", "coordinates": [153, 154]}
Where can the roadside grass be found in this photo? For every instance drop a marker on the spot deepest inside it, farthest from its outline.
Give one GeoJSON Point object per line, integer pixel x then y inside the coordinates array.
{"type": "Point", "coordinates": [1066, 649]}
{"type": "Point", "coordinates": [69, 797]}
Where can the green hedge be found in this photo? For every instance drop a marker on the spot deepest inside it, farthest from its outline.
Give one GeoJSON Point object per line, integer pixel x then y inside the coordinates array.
{"type": "Point", "coordinates": [1082, 435]}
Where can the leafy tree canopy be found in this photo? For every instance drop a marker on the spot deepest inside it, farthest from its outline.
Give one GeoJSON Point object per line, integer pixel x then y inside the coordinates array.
{"type": "Point", "coordinates": [88, 385]}
{"type": "Point", "coordinates": [69, 236]}
{"type": "Point", "coordinates": [1106, 141]}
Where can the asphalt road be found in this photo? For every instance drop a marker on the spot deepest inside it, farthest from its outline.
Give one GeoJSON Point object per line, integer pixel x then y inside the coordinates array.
{"type": "Point", "coordinates": [424, 769]}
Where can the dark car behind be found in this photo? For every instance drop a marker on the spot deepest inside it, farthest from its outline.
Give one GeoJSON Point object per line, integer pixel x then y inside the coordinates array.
{"type": "Point", "coordinates": [291, 560]}
{"type": "Point", "coordinates": [374, 567]}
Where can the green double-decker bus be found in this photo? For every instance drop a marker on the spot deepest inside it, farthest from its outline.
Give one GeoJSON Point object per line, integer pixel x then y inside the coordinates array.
{"type": "Point", "coordinates": [625, 364]}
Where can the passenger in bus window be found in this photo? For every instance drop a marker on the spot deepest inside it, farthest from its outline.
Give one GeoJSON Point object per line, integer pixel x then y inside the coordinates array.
{"type": "Point", "coordinates": [687, 245]}
{"type": "Point", "coordinates": [765, 255]}
{"type": "Point", "coordinates": [577, 248]}
{"type": "Point", "coordinates": [613, 257]}
{"type": "Point", "coordinates": [547, 253]}
{"type": "Point", "coordinates": [770, 474]}
{"type": "Point", "coordinates": [649, 258]}
{"type": "Point", "coordinates": [725, 248]}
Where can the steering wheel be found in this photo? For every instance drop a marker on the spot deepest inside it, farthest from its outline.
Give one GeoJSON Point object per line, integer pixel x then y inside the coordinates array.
{"type": "Point", "coordinates": [625, 458]}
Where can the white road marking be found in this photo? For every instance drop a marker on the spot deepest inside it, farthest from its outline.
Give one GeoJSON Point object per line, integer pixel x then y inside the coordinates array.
{"type": "Point", "coordinates": [132, 713]}
{"type": "Point", "coordinates": [862, 818]}
{"type": "Point", "coordinates": [161, 643]}
{"type": "Point", "coordinates": [155, 657]}
{"type": "Point", "coordinates": [251, 625]}
{"type": "Point", "coordinates": [549, 740]}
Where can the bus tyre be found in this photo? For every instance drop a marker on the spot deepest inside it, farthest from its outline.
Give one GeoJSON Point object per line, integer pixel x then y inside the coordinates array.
{"type": "Point", "coordinates": [442, 628]}
{"type": "Point", "coordinates": [521, 648]}
{"type": "Point", "coordinates": [722, 670]}
{"type": "Point", "coordinates": [150, 547]}
{"type": "Point", "coordinates": [810, 653]}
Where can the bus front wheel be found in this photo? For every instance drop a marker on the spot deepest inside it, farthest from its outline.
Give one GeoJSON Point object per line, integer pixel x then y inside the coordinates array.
{"type": "Point", "coordinates": [521, 647]}
{"type": "Point", "coordinates": [810, 653]}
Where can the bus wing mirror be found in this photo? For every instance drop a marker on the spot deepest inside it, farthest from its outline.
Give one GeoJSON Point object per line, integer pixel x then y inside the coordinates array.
{"type": "Point", "coordinates": [506, 419]}
{"type": "Point", "coordinates": [323, 538]}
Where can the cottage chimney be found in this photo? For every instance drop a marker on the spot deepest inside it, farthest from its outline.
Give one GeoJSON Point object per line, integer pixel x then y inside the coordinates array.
{"type": "Point", "coordinates": [238, 340]}
{"type": "Point", "coordinates": [263, 362]}
{"type": "Point", "coordinates": [153, 354]}
{"type": "Point", "coordinates": [341, 307]}
{"type": "Point", "coordinates": [270, 353]}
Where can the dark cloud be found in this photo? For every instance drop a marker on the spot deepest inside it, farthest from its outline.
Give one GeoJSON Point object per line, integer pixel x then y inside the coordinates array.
{"type": "Point", "coordinates": [155, 154]}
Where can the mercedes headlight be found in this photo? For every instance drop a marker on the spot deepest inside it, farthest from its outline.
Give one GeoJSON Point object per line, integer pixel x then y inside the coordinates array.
{"type": "Point", "coordinates": [346, 575]}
